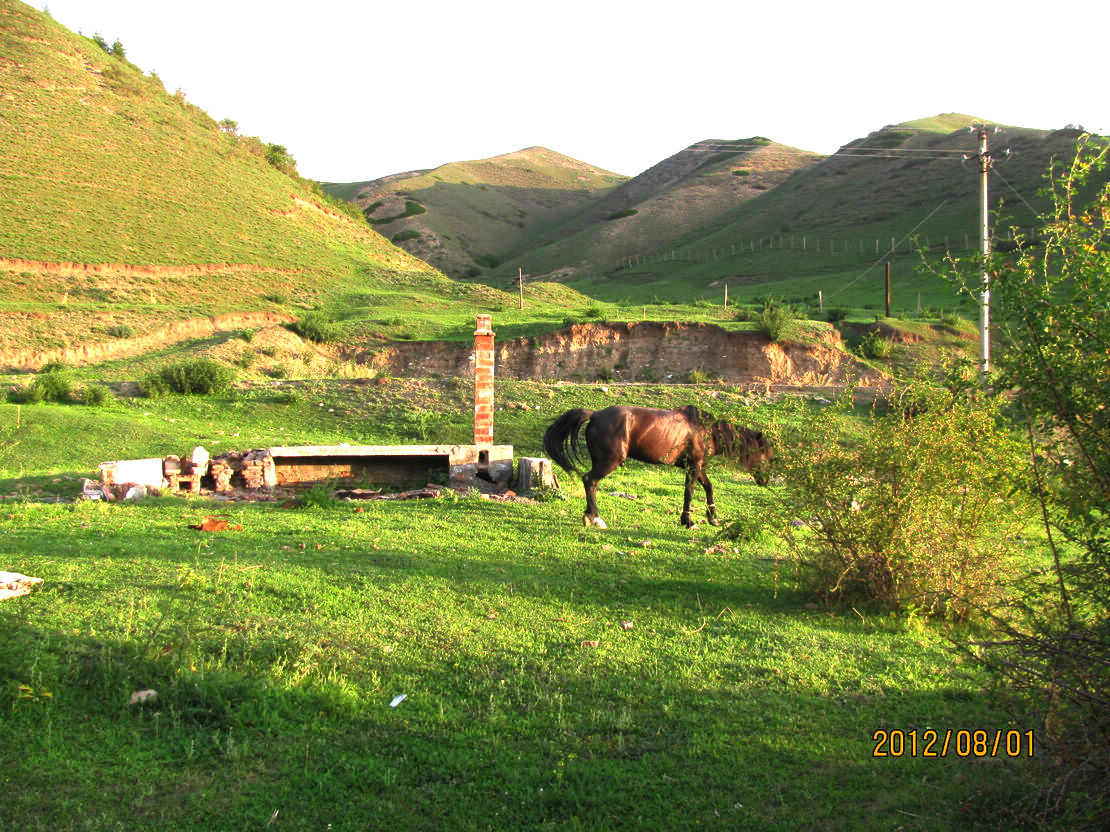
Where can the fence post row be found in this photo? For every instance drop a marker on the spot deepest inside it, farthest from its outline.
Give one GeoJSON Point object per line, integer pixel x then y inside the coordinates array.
{"type": "Point", "coordinates": [704, 255]}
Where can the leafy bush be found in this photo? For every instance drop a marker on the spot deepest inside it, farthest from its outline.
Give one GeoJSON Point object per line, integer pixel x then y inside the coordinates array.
{"type": "Point", "coordinates": [25, 394]}
{"type": "Point", "coordinates": [198, 376]}
{"type": "Point", "coordinates": [775, 320]}
{"type": "Point", "coordinates": [920, 517]}
{"type": "Point", "coordinates": [874, 345]}
{"type": "Point", "coordinates": [279, 157]}
{"type": "Point", "coordinates": [315, 326]}
{"type": "Point", "coordinates": [95, 395]}
{"type": "Point", "coordinates": [121, 331]}
{"type": "Point", "coordinates": [409, 234]}
{"type": "Point", "coordinates": [55, 382]}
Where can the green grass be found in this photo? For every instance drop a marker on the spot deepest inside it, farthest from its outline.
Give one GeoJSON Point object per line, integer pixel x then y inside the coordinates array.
{"type": "Point", "coordinates": [732, 702]}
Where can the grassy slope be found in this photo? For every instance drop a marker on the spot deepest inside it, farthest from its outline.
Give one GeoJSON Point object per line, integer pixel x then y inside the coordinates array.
{"type": "Point", "coordinates": [99, 165]}
{"type": "Point", "coordinates": [276, 649]}
{"type": "Point", "coordinates": [485, 207]}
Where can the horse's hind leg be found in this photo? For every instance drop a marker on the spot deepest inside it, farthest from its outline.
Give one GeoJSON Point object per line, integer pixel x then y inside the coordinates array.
{"type": "Point", "coordinates": [590, 517]}
{"type": "Point", "coordinates": [590, 481]}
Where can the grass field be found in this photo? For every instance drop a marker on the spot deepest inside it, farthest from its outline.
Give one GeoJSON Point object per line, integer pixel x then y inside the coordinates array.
{"type": "Point", "coordinates": [729, 699]}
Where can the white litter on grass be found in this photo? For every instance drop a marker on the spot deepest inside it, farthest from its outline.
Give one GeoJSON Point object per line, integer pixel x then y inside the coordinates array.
{"type": "Point", "coordinates": [141, 696]}
{"type": "Point", "coordinates": [397, 700]}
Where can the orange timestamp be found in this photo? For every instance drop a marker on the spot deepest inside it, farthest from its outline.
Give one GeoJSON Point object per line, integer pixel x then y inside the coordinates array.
{"type": "Point", "coordinates": [952, 742]}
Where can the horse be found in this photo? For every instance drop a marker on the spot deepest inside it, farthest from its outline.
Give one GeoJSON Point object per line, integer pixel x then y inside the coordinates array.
{"type": "Point", "coordinates": [684, 437]}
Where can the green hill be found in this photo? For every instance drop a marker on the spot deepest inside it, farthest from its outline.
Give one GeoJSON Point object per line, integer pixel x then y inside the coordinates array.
{"type": "Point", "coordinates": [466, 217]}
{"type": "Point", "coordinates": [127, 211]}
{"type": "Point", "coordinates": [686, 193]}
{"type": "Point", "coordinates": [827, 227]}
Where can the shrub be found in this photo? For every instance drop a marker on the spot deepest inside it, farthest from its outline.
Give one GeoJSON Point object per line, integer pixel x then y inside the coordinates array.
{"type": "Point", "coordinates": [919, 517]}
{"type": "Point", "coordinates": [121, 331]}
{"type": "Point", "coordinates": [199, 376]}
{"type": "Point", "coordinates": [55, 382]}
{"type": "Point", "coordinates": [95, 395]}
{"type": "Point", "coordinates": [699, 375]}
{"type": "Point", "coordinates": [25, 394]}
{"type": "Point", "coordinates": [953, 319]}
{"type": "Point", "coordinates": [775, 321]}
{"type": "Point", "coordinates": [873, 345]}
{"type": "Point", "coordinates": [409, 234]}
{"type": "Point", "coordinates": [315, 326]}
{"type": "Point", "coordinates": [279, 157]}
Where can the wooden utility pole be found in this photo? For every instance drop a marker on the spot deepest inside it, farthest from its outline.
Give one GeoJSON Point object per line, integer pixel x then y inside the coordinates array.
{"type": "Point", "coordinates": [520, 284]}
{"type": "Point", "coordinates": [888, 288]}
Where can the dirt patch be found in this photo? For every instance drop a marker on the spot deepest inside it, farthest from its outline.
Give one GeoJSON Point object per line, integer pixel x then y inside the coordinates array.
{"type": "Point", "coordinates": [173, 333]}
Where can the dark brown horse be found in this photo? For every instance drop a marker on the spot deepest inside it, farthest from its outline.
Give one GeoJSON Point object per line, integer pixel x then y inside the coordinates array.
{"type": "Point", "coordinates": [684, 437]}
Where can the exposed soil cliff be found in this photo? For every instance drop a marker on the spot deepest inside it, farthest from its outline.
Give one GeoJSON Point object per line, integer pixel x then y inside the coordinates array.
{"type": "Point", "coordinates": [638, 351]}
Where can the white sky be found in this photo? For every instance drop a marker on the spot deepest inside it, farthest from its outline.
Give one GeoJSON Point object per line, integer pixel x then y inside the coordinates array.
{"type": "Point", "coordinates": [358, 90]}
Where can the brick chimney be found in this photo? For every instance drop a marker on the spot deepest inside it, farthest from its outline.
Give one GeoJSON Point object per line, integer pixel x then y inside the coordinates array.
{"type": "Point", "coordinates": [483, 381]}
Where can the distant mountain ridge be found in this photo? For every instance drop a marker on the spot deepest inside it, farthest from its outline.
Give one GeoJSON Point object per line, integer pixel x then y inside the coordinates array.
{"type": "Point", "coordinates": [463, 217]}
{"type": "Point", "coordinates": [900, 183]}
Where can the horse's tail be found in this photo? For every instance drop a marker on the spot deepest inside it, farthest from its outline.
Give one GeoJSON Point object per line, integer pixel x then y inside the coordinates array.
{"type": "Point", "coordinates": [560, 440]}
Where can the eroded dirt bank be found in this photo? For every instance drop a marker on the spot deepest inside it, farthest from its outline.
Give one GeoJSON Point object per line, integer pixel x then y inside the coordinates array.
{"type": "Point", "coordinates": [95, 352]}
{"type": "Point", "coordinates": [638, 351]}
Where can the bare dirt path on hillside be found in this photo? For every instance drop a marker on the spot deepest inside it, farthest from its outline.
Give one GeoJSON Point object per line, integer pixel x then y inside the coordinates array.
{"type": "Point", "coordinates": [130, 270]}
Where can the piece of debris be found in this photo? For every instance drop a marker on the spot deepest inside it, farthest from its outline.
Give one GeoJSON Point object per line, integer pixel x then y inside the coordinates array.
{"type": "Point", "coordinates": [591, 644]}
{"type": "Point", "coordinates": [141, 696]}
{"type": "Point", "coordinates": [358, 494]}
{"type": "Point", "coordinates": [623, 496]}
{"type": "Point", "coordinates": [626, 625]}
{"type": "Point", "coordinates": [215, 524]}
{"type": "Point", "coordinates": [13, 585]}
{"type": "Point", "coordinates": [397, 700]}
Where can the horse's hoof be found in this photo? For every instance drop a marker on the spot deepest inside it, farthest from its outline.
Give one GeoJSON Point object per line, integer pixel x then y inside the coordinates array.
{"type": "Point", "coordinates": [599, 523]}
{"type": "Point", "coordinates": [596, 522]}
{"type": "Point", "coordinates": [713, 521]}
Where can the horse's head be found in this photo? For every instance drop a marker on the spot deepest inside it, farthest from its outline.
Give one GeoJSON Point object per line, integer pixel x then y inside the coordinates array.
{"type": "Point", "coordinates": [751, 447]}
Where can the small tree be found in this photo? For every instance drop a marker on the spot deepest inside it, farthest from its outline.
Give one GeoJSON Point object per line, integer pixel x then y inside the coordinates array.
{"type": "Point", "coordinates": [280, 157]}
{"type": "Point", "coordinates": [1050, 309]}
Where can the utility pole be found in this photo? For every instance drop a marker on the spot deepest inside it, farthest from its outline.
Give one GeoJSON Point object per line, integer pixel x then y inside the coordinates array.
{"type": "Point", "coordinates": [888, 288]}
{"type": "Point", "coordinates": [985, 250]}
{"type": "Point", "coordinates": [520, 283]}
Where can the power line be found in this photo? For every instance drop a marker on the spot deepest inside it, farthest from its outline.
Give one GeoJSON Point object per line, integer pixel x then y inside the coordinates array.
{"type": "Point", "coordinates": [905, 237]}
{"type": "Point", "coordinates": [1006, 182]}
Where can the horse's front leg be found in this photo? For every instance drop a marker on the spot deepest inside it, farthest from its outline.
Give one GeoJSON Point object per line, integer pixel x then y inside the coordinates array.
{"type": "Point", "coordinates": [687, 497]}
{"type": "Point", "coordinates": [710, 506]}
